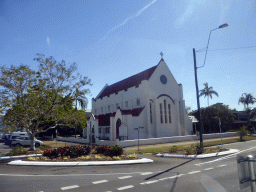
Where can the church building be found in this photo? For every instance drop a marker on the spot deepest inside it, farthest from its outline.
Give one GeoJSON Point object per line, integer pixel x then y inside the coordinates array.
{"type": "Point", "coordinates": [151, 101]}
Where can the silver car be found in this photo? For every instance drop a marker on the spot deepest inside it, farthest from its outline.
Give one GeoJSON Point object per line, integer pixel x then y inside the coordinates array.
{"type": "Point", "coordinates": [25, 141]}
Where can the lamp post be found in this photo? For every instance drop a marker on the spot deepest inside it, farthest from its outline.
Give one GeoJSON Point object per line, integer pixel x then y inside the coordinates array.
{"type": "Point", "coordinates": [196, 82]}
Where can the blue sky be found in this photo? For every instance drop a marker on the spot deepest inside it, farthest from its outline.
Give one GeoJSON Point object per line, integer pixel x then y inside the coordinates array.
{"type": "Point", "coordinates": [112, 40]}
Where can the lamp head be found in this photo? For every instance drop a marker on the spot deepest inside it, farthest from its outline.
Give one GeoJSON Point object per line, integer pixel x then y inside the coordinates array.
{"type": "Point", "coordinates": [224, 25]}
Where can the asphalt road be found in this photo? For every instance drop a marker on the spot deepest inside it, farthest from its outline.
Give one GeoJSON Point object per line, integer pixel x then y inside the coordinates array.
{"type": "Point", "coordinates": [165, 174]}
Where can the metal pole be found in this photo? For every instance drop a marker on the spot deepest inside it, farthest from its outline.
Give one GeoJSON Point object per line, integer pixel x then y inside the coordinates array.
{"type": "Point", "coordinates": [220, 131]}
{"type": "Point", "coordinates": [138, 139]}
{"type": "Point", "coordinates": [91, 138]}
{"type": "Point", "coordinates": [251, 173]}
{"type": "Point", "coordinates": [198, 103]}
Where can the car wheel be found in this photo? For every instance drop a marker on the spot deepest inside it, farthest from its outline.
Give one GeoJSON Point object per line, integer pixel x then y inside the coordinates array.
{"type": "Point", "coordinates": [17, 145]}
{"type": "Point", "coordinates": [37, 145]}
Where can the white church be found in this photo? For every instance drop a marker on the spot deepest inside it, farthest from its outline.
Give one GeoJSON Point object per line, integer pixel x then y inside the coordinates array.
{"type": "Point", "coordinates": [151, 100]}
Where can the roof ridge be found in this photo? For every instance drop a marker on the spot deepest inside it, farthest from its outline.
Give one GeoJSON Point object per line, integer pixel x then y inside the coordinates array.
{"type": "Point", "coordinates": [129, 82]}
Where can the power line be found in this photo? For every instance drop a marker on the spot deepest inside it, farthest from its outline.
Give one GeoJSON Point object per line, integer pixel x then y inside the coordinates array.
{"type": "Point", "coordinates": [201, 50]}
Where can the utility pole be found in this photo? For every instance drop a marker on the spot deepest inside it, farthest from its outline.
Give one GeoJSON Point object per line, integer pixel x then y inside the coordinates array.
{"type": "Point", "coordinates": [198, 103]}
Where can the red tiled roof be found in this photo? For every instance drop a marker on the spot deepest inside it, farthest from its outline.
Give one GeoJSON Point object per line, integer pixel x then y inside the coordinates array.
{"type": "Point", "coordinates": [104, 119]}
{"type": "Point", "coordinates": [129, 82]}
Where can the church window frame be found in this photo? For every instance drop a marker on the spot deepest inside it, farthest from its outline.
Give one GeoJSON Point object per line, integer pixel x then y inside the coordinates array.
{"type": "Point", "coordinates": [150, 111]}
{"type": "Point", "coordinates": [138, 102]}
{"type": "Point", "coordinates": [161, 113]}
{"type": "Point", "coordinates": [169, 111]}
{"type": "Point", "coordinates": [165, 112]}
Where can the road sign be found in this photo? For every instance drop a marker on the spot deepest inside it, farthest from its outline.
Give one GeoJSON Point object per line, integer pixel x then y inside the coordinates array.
{"type": "Point", "coordinates": [246, 169]}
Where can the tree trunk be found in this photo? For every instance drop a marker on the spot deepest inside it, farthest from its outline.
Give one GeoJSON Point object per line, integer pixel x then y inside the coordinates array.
{"type": "Point", "coordinates": [32, 145]}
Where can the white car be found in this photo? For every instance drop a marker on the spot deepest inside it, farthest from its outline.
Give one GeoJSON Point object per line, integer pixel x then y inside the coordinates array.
{"type": "Point", "coordinates": [25, 141]}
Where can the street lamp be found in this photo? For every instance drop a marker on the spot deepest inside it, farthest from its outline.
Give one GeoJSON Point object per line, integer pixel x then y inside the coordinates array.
{"type": "Point", "coordinates": [196, 82]}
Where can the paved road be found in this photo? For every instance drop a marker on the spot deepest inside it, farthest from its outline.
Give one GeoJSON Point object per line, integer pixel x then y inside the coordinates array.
{"type": "Point", "coordinates": [165, 174]}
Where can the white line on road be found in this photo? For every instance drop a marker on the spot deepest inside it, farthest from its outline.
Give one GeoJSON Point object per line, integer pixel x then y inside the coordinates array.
{"type": "Point", "coordinates": [149, 182]}
{"type": "Point", "coordinates": [146, 173]}
{"type": "Point", "coordinates": [193, 172]}
{"type": "Point", "coordinates": [101, 181]}
{"type": "Point", "coordinates": [125, 177]}
{"type": "Point", "coordinates": [125, 187]}
{"type": "Point", "coordinates": [222, 165]}
{"type": "Point", "coordinates": [69, 187]}
{"type": "Point", "coordinates": [210, 168]}
{"type": "Point", "coordinates": [227, 157]}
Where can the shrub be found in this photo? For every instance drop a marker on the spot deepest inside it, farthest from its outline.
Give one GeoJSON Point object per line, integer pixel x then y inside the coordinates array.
{"type": "Point", "coordinates": [242, 132]}
{"type": "Point", "coordinates": [188, 150]}
{"type": "Point", "coordinates": [17, 151]}
{"type": "Point", "coordinates": [115, 150]}
{"type": "Point", "coordinates": [101, 149]}
{"type": "Point", "coordinates": [197, 149]}
{"type": "Point", "coordinates": [174, 148]}
{"type": "Point", "coordinates": [116, 157]}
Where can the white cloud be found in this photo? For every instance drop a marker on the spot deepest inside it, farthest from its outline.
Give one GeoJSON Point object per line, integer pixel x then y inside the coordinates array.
{"type": "Point", "coordinates": [188, 12]}
{"type": "Point", "coordinates": [48, 41]}
{"type": "Point", "coordinates": [128, 19]}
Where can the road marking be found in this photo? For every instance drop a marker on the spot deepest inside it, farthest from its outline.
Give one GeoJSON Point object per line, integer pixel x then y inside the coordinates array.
{"type": "Point", "coordinates": [125, 177]}
{"type": "Point", "coordinates": [146, 173]}
{"type": "Point", "coordinates": [208, 168]}
{"type": "Point", "coordinates": [222, 165]}
{"type": "Point", "coordinates": [69, 187]}
{"type": "Point", "coordinates": [125, 187]}
{"type": "Point", "coordinates": [193, 172]}
{"type": "Point", "coordinates": [227, 157]}
{"type": "Point", "coordinates": [149, 182]}
{"type": "Point", "coordinates": [73, 175]}
{"type": "Point", "coordinates": [101, 181]}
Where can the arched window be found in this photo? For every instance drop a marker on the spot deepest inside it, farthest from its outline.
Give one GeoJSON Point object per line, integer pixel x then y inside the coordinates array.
{"type": "Point", "coordinates": [169, 111]}
{"type": "Point", "coordinates": [165, 113]}
{"type": "Point", "coordinates": [118, 124]}
{"type": "Point", "coordinates": [161, 113]}
{"type": "Point", "coordinates": [150, 107]}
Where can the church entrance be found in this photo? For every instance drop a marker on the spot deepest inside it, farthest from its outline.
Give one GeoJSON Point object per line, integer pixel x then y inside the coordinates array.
{"type": "Point", "coordinates": [118, 124]}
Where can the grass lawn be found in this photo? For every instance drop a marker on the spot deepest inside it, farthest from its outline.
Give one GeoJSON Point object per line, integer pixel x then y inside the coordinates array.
{"type": "Point", "coordinates": [161, 148]}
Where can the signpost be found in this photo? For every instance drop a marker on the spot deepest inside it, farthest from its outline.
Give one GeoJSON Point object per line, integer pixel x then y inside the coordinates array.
{"type": "Point", "coordinates": [138, 136]}
{"type": "Point", "coordinates": [220, 131]}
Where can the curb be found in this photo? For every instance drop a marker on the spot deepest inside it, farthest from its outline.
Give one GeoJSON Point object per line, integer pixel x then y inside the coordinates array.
{"type": "Point", "coordinates": [20, 156]}
{"type": "Point", "coordinates": [230, 151]}
{"type": "Point", "coordinates": [80, 163]}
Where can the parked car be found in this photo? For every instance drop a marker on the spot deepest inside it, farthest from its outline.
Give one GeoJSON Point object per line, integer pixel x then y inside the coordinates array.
{"type": "Point", "coordinates": [25, 141]}
{"type": "Point", "coordinates": [14, 135]}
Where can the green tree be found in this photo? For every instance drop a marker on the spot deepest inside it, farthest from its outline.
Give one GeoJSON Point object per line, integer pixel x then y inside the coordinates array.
{"type": "Point", "coordinates": [210, 117]}
{"type": "Point", "coordinates": [80, 100]}
{"type": "Point", "coordinates": [207, 92]}
{"type": "Point", "coordinates": [246, 99]}
{"type": "Point", "coordinates": [32, 97]}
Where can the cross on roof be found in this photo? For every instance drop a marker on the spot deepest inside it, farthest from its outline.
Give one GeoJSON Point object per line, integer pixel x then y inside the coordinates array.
{"type": "Point", "coordinates": [161, 55]}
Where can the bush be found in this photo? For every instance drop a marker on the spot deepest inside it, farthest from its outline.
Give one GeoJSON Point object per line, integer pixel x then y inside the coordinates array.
{"type": "Point", "coordinates": [197, 149]}
{"type": "Point", "coordinates": [17, 151]}
{"type": "Point", "coordinates": [173, 149]}
{"type": "Point", "coordinates": [242, 132]}
{"type": "Point", "coordinates": [73, 152]}
{"type": "Point", "coordinates": [188, 150]}
{"type": "Point", "coordinates": [102, 149]}
{"type": "Point", "coordinates": [115, 150]}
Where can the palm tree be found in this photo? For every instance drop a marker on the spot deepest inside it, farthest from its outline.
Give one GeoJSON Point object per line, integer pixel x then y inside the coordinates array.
{"type": "Point", "coordinates": [208, 92]}
{"type": "Point", "coordinates": [246, 99]}
{"type": "Point", "coordinates": [80, 100]}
